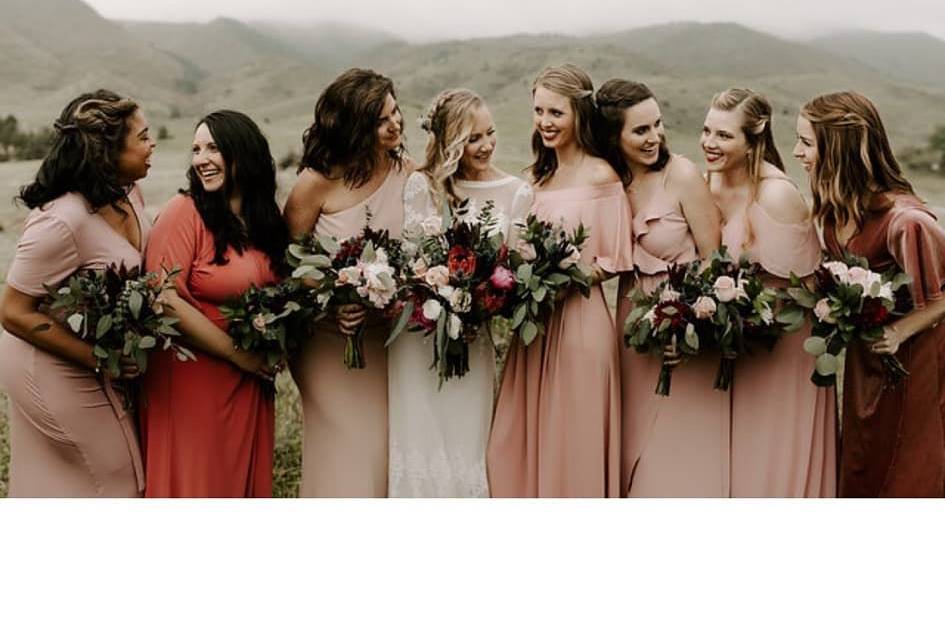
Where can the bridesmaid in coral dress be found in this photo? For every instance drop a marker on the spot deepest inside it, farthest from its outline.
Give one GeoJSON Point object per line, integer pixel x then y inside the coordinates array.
{"type": "Point", "coordinates": [208, 425]}
{"type": "Point", "coordinates": [783, 426]}
{"type": "Point", "coordinates": [676, 445]}
{"type": "Point", "coordinates": [70, 433]}
{"type": "Point", "coordinates": [353, 171]}
{"type": "Point", "coordinates": [893, 442]}
{"type": "Point", "coordinates": [556, 430]}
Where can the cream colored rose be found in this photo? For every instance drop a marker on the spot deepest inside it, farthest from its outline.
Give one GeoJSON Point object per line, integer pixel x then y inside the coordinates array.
{"type": "Point", "coordinates": [822, 311]}
{"type": "Point", "coordinates": [527, 250]}
{"type": "Point", "coordinates": [705, 307]}
{"type": "Point", "coordinates": [432, 310]}
{"type": "Point", "coordinates": [437, 276]}
{"type": "Point", "coordinates": [573, 258]}
{"type": "Point", "coordinates": [725, 288]}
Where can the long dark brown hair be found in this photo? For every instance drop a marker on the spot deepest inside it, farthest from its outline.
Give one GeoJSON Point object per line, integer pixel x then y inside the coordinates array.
{"type": "Point", "coordinates": [91, 133]}
{"type": "Point", "coordinates": [613, 98]}
{"type": "Point", "coordinates": [344, 133]}
{"type": "Point", "coordinates": [574, 84]}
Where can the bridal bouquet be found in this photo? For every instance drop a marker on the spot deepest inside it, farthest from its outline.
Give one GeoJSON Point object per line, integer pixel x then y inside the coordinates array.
{"type": "Point", "coordinates": [547, 264]}
{"type": "Point", "coordinates": [118, 311]}
{"type": "Point", "coordinates": [274, 320]}
{"type": "Point", "coordinates": [457, 279]}
{"type": "Point", "coordinates": [849, 302]}
{"type": "Point", "coordinates": [360, 270]}
{"type": "Point", "coordinates": [740, 308]}
{"type": "Point", "coordinates": [673, 317]}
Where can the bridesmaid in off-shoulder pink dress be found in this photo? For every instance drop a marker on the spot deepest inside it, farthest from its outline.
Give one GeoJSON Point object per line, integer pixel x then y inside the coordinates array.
{"type": "Point", "coordinates": [556, 429]}
{"type": "Point", "coordinates": [675, 445]}
{"type": "Point", "coordinates": [783, 426]}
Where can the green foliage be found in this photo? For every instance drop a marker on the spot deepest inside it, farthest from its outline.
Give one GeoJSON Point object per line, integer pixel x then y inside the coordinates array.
{"type": "Point", "coordinates": [16, 144]}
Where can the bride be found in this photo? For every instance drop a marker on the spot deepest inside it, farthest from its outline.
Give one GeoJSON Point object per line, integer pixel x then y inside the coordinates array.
{"type": "Point", "coordinates": [438, 437]}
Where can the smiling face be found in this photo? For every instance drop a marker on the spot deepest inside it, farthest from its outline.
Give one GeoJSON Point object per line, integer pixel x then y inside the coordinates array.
{"type": "Point", "coordinates": [135, 157]}
{"type": "Point", "coordinates": [477, 154]}
{"type": "Point", "coordinates": [207, 160]}
{"type": "Point", "coordinates": [642, 133]}
{"type": "Point", "coordinates": [805, 149]}
{"type": "Point", "coordinates": [723, 142]}
{"type": "Point", "coordinates": [553, 117]}
{"type": "Point", "coordinates": [389, 125]}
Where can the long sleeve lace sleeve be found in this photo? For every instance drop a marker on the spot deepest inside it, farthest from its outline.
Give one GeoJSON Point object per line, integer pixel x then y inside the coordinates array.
{"type": "Point", "coordinates": [418, 202]}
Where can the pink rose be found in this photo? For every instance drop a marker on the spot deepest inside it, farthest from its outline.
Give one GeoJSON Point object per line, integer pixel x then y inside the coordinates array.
{"type": "Point", "coordinates": [259, 323]}
{"type": "Point", "coordinates": [419, 267]}
{"type": "Point", "coordinates": [349, 275]}
{"type": "Point", "coordinates": [527, 250]}
{"type": "Point", "coordinates": [502, 279]}
{"type": "Point", "coordinates": [438, 276]}
{"type": "Point", "coordinates": [822, 311]}
{"type": "Point", "coordinates": [725, 288]}
{"type": "Point", "coordinates": [704, 308]}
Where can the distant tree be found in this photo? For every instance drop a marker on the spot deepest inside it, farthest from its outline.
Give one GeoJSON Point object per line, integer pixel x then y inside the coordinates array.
{"type": "Point", "coordinates": [163, 133]}
{"type": "Point", "coordinates": [937, 143]}
{"type": "Point", "coordinates": [289, 160]}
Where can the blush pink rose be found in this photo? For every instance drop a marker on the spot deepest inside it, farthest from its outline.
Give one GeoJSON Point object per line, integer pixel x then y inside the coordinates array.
{"type": "Point", "coordinates": [502, 279]}
{"type": "Point", "coordinates": [704, 308]}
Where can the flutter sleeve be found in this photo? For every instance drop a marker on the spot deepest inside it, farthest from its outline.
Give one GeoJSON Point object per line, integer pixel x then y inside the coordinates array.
{"type": "Point", "coordinates": [418, 202]}
{"type": "Point", "coordinates": [917, 243]}
{"type": "Point", "coordinates": [46, 254]}
{"type": "Point", "coordinates": [174, 242]}
{"type": "Point", "coordinates": [611, 231]}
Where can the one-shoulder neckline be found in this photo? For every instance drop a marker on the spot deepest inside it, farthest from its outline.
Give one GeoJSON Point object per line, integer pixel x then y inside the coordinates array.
{"type": "Point", "coordinates": [489, 183]}
{"type": "Point", "coordinates": [366, 201]}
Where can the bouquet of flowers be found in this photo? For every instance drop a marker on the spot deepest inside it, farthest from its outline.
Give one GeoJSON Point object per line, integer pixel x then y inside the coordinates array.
{"type": "Point", "coordinates": [119, 311]}
{"type": "Point", "coordinates": [547, 264]}
{"type": "Point", "coordinates": [740, 308]}
{"type": "Point", "coordinates": [359, 270]}
{"type": "Point", "coordinates": [457, 280]}
{"type": "Point", "coordinates": [667, 318]}
{"type": "Point", "coordinates": [274, 320]}
{"type": "Point", "coordinates": [848, 302]}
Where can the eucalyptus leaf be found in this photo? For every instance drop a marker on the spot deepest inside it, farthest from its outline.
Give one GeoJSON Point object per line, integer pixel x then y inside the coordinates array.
{"type": "Point", "coordinates": [815, 346]}
{"type": "Point", "coordinates": [75, 322]}
{"type": "Point", "coordinates": [826, 364]}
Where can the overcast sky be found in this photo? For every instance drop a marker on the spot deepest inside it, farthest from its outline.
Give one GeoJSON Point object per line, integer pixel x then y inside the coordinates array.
{"type": "Point", "coordinates": [420, 20]}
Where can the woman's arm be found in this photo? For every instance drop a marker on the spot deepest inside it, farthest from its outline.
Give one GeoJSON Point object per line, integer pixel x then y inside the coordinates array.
{"type": "Point", "coordinates": [697, 204]}
{"type": "Point", "coordinates": [909, 326]}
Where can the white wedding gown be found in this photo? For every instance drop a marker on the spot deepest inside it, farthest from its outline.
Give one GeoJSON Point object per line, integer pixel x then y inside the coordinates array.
{"type": "Point", "coordinates": [438, 437]}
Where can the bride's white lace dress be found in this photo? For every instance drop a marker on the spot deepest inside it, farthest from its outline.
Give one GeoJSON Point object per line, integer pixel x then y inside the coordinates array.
{"type": "Point", "coordinates": [438, 437]}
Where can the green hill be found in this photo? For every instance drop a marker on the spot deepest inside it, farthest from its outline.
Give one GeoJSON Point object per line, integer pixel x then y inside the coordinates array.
{"type": "Point", "coordinates": [915, 58]}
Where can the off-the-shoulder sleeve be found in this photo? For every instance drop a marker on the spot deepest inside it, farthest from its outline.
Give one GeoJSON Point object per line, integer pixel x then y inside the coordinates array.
{"type": "Point", "coordinates": [418, 202]}
{"type": "Point", "coordinates": [46, 254]}
{"type": "Point", "coordinates": [784, 248]}
{"type": "Point", "coordinates": [614, 234]}
{"type": "Point", "coordinates": [917, 243]}
{"type": "Point", "coordinates": [174, 242]}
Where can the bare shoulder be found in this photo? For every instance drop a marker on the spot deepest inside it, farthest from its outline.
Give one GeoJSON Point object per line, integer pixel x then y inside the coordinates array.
{"type": "Point", "coordinates": [599, 172]}
{"type": "Point", "coordinates": [681, 171]}
{"type": "Point", "coordinates": [782, 200]}
{"type": "Point", "coordinates": [306, 200]}
{"type": "Point", "coordinates": [409, 165]}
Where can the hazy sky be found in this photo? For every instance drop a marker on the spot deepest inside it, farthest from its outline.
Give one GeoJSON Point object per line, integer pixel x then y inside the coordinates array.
{"type": "Point", "coordinates": [448, 19]}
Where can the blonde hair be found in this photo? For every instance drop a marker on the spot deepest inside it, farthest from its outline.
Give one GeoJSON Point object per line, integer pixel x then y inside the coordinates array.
{"type": "Point", "coordinates": [573, 83]}
{"type": "Point", "coordinates": [449, 123]}
{"type": "Point", "coordinates": [756, 115]}
{"type": "Point", "coordinates": [855, 161]}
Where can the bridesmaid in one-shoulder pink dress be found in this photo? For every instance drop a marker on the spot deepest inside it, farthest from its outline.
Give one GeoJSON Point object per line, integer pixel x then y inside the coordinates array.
{"type": "Point", "coordinates": [783, 426]}
{"type": "Point", "coordinates": [351, 174]}
{"type": "Point", "coordinates": [556, 428]}
{"type": "Point", "coordinates": [675, 445]}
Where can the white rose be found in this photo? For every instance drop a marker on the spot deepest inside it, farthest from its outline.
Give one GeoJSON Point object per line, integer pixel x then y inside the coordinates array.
{"type": "Point", "coordinates": [839, 270]}
{"type": "Point", "coordinates": [460, 301]}
{"type": "Point", "coordinates": [437, 276]}
{"type": "Point", "coordinates": [705, 307]}
{"type": "Point", "coordinates": [860, 276]}
{"type": "Point", "coordinates": [886, 292]}
{"type": "Point", "coordinates": [419, 267]}
{"type": "Point", "coordinates": [454, 326]}
{"type": "Point", "coordinates": [822, 311]}
{"type": "Point", "coordinates": [573, 258]}
{"type": "Point", "coordinates": [432, 310]}
{"type": "Point", "coordinates": [725, 289]}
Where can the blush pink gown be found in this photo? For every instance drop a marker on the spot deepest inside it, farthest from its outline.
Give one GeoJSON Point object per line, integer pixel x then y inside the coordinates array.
{"type": "Point", "coordinates": [556, 429]}
{"type": "Point", "coordinates": [783, 426]}
{"type": "Point", "coordinates": [70, 435]}
{"type": "Point", "coordinates": [676, 445]}
{"type": "Point", "coordinates": [344, 448]}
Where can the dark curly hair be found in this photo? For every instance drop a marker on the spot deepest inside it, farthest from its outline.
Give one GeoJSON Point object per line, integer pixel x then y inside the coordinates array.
{"type": "Point", "coordinates": [613, 99]}
{"type": "Point", "coordinates": [90, 135]}
{"type": "Point", "coordinates": [344, 133]}
{"type": "Point", "coordinates": [250, 171]}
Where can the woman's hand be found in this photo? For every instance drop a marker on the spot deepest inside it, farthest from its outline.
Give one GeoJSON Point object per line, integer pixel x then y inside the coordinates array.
{"type": "Point", "coordinates": [254, 363]}
{"type": "Point", "coordinates": [890, 341]}
{"type": "Point", "coordinates": [350, 317]}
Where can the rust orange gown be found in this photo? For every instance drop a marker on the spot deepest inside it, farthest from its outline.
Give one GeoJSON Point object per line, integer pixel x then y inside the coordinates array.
{"type": "Point", "coordinates": [207, 427]}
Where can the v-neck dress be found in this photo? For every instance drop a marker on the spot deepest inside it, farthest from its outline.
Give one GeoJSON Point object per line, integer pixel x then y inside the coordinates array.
{"type": "Point", "coordinates": [70, 435]}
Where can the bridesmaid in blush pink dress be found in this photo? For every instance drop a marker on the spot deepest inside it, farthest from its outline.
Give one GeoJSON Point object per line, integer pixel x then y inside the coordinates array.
{"type": "Point", "coordinates": [676, 445]}
{"type": "Point", "coordinates": [556, 429]}
{"type": "Point", "coordinates": [341, 184]}
{"type": "Point", "coordinates": [783, 426]}
{"type": "Point", "coordinates": [70, 433]}
{"type": "Point", "coordinates": [893, 434]}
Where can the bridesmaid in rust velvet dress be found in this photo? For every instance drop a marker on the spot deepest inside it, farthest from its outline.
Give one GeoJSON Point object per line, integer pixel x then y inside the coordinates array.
{"type": "Point", "coordinates": [353, 163]}
{"type": "Point", "coordinates": [783, 426]}
{"type": "Point", "coordinates": [70, 434]}
{"type": "Point", "coordinates": [208, 425]}
{"type": "Point", "coordinates": [893, 440]}
{"type": "Point", "coordinates": [556, 429]}
{"type": "Point", "coordinates": [676, 445]}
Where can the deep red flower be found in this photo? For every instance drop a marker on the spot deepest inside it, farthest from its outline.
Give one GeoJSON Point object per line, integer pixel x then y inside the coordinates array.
{"type": "Point", "coordinates": [349, 252]}
{"type": "Point", "coordinates": [874, 313]}
{"type": "Point", "coordinates": [461, 261]}
{"type": "Point", "coordinates": [488, 298]}
{"type": "Point", "coordinates": [678, 313]}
